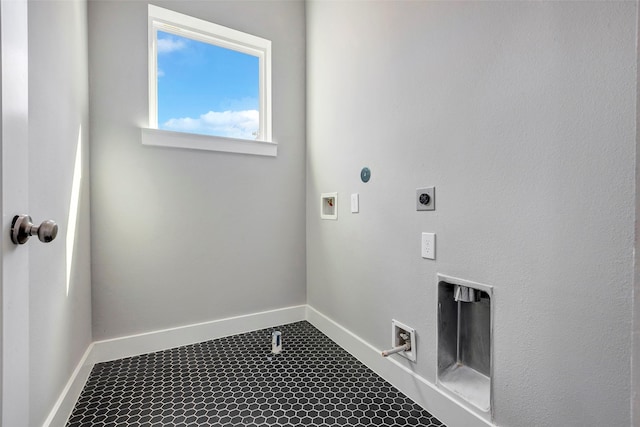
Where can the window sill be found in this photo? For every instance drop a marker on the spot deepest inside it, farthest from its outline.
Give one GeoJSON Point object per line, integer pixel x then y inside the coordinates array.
{"type": "Point", "coordinates": [166, 138]}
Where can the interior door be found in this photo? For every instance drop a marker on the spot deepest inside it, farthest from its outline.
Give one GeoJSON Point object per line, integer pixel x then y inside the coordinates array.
{"type": "Point", "coordinates": [14, 286]}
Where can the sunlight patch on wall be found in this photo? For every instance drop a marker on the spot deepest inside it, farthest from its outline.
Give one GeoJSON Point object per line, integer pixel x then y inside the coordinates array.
{"type": "Point", "coordinates": [73, 208]}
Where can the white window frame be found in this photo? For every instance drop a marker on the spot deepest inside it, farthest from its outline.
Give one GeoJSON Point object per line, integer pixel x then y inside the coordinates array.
{"type": "Point", "coordinates": [187, 26]}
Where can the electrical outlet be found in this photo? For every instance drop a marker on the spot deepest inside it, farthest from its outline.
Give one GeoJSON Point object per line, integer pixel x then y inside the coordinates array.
{"type": "Point", "coordinates": [426, 199]}
{"type": "Point", "coordinates": [428, 245]}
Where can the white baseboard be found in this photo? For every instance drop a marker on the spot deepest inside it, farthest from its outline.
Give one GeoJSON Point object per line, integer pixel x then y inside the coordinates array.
{"type": "Point", "coordinates": [133, 345]}
{"type": "Point", "coordinates": [150, 342]}
{"type": "Point", "coordinates": [67, 400]}
{"type": "Point", "coordinates": [423, 392]}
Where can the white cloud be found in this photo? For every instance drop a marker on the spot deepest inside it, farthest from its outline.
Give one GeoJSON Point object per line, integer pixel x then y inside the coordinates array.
{"type": "Point", "coordinates": [232, 124]}
{"type": "Point", "coordinates": [169, 45]}
{"type": "Point", "coordinates": [160, 72]}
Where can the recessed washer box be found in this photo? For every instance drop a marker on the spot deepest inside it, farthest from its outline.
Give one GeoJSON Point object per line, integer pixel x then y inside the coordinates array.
{"type": "Point", "coordinates": [465, 342]}
{"type": "Point", "coordinates": [329, 206]}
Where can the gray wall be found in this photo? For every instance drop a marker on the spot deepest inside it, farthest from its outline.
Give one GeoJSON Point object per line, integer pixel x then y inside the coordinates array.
{"type": "Point", "coordinates": [183, 236]}
{"type": "Point", "coordinates": [523, 117]}
{"type": "Point", "coordinates": [635, 358]}
{"type": "Point", "coordinates": [60, 299]}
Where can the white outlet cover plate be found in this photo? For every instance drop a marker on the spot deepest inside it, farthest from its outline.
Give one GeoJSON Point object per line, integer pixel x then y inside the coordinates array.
{"type": "Point", "coordinates": [428, 245]}
{"type": "Point", "coordinates": [355, 203]}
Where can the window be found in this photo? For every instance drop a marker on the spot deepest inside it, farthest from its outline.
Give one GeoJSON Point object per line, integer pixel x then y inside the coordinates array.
{"type": "Point", "coordinates": [209, 86]}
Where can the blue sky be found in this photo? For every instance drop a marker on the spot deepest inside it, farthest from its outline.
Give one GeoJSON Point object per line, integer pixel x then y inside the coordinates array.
{"type": "Point", "coordinates": [206, 89]}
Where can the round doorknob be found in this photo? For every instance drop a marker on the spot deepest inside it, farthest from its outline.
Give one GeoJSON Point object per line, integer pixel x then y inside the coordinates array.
{"type": "Point", "coordinates": [22, 228]}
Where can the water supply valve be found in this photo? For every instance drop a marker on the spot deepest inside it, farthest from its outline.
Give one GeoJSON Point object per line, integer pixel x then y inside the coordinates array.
{"type": "Point", "coordinates": [404, 347]}
{"type": "Point", "coordinates": [403, 341]}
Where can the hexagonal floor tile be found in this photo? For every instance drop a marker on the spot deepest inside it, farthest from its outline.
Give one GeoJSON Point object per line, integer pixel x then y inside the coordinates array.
{"type": "Point", "coordinates": [237, 381]}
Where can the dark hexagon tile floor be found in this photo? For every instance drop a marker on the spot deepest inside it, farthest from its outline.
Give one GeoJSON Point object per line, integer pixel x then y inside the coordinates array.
{"type": "Point", "coordinates": [236, 381]}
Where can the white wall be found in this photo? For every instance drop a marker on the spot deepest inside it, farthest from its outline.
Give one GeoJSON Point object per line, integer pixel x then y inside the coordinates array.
{"type": "Point", "coordinates": [60, 290]}
{"type": "Point", "coordinates": [183, 236]}
{"type": "Point", "coordinates": [522, 114]}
